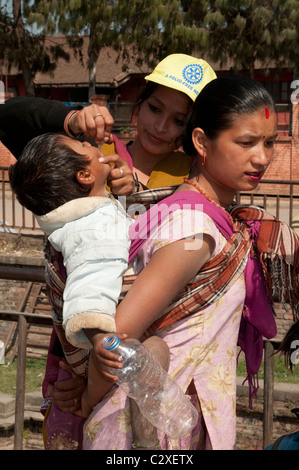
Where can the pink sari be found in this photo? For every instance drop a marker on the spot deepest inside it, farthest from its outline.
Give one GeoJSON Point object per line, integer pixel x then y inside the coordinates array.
{"type": "Point", "coordinates": [71, 428]}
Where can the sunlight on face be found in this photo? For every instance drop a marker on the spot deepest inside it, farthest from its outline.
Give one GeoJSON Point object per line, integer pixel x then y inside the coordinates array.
{"type": "Point", "coordinates": [98, 171]}
{"type": "Point", "coordinates": [238, 158]}
{"type": "Point", "coordinates": [162, 119]}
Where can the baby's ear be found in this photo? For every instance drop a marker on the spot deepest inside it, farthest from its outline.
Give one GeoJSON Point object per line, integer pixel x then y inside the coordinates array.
{"type": "Point", "coordinates": [85, 177]}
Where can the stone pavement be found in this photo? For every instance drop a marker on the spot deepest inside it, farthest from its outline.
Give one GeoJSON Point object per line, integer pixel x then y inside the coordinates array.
{"type": "Point", "coordinates": [31, 441]}
{"type": "Point", "coordinates": [32, 417]}
{"type": "Point", "coordinates": [283, 392]}
{"type": "Point", "coordinates": [33, 402]}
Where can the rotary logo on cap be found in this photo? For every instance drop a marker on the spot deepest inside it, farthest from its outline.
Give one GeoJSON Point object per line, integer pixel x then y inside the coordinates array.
{"type": "Point", "coordinates": [193, 73]}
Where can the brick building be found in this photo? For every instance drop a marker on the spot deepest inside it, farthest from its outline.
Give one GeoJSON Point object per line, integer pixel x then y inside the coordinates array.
{"type": "Point", "coordinates": [121, 81]}
{"type": "Point", "coordinates": [285, 164]}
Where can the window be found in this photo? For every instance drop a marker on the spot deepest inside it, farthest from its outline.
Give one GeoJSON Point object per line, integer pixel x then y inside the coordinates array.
{"type": "Point", "coordinates": [284, 91]}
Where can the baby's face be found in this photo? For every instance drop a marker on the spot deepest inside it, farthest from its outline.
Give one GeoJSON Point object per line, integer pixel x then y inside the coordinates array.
{"type": "Point", "coordinates": [98, 171]}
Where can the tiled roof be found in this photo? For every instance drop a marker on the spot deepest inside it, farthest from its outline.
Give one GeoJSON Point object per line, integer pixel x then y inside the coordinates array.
{"type": "Point", "coordinates": [110, 72]}
{"type": "Point", "coordinates": [73, 73]}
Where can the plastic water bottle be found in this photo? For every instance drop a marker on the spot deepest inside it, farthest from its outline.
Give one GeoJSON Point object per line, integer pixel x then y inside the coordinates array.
{"type": "Point", "coordinates": [161, 400]}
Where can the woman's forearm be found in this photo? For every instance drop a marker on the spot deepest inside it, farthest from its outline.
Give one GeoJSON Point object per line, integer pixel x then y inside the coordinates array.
{"type": "Point", "coordinates": [23, 118]}
{"type": "Point", "coordinates": [171, 268]}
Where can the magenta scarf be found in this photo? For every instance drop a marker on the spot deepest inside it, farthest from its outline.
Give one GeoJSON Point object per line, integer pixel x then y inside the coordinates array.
{"type": "Point", "coordinates": [122, 151]}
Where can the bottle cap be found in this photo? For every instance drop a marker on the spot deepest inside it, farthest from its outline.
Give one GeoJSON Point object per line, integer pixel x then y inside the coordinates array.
{"type": "Point", "coordinates": [111, 343]}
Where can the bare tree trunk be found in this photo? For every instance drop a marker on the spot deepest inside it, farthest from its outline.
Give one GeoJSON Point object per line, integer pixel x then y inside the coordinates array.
{"type": "Point", "coordinates": [92, 68]}
{"type": "Point", "coordinates": [28, 79]}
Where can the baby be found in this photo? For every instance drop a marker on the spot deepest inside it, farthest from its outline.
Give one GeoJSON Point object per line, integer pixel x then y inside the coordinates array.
{"type": "Point", "coordinates": [63, 183]}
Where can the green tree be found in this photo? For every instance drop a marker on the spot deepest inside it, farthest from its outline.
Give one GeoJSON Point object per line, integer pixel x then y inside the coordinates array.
{"type": "Point", "coordinates": [247, 31]}
{"type": "Point", "coordinates": [23, 48]}
{"type": "Point", "coordinates": [95, 19]}
{"type": "Point", "coordinates": [140, 30]}
{"type": "Point", "coordinates": [153, 29]}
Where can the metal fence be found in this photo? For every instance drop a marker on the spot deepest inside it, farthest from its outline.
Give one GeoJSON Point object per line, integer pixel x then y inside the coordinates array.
{"type": "Point", "coordinates": [24, 319]}
{"type": "Point", "coordinates": [13, 217]}
{"type": "Point", "coordinates": [279, 197]}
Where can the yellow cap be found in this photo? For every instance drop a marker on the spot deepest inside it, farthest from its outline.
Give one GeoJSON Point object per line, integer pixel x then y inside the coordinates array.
{"type": "Point", "coordinates": [183, 73]}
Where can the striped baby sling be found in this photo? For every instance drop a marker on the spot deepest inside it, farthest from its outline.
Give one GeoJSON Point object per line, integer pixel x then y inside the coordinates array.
{"type": "Point", "coordinates": [253, 247]}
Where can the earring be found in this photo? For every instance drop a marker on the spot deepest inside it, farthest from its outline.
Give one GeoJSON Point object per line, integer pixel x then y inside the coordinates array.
{"type": "Point", "coordinates": [203, 159]}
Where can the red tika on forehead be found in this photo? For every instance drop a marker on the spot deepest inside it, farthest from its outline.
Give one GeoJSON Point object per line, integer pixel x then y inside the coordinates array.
{"type": "Point", "coordinates": [267, 113]}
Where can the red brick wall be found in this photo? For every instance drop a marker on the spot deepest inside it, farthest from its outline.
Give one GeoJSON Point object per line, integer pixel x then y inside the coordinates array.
{"type": "Point", "coordinates": [282, 160]}
{"type": "Point", "coordinates": [285, 163]}
{"type": "Point", "coordinates": [295, 141]}
{"type": "Point", "coordinates": [6, 158]}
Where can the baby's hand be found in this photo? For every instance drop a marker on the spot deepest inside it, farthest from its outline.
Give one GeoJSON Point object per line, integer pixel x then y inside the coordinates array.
{"type": "Point", "coordinates": [103, 358]}
{"type": "Point", "coordinates": [120, 179]}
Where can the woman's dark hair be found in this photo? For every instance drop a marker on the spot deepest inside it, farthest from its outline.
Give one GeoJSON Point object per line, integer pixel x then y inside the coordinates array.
{"type": "Point", "coordinates": [44, 176]}
{"type": "Point", "coordinates": [147, 93]}
{"type": "Point", "coordinates": [220, 102]}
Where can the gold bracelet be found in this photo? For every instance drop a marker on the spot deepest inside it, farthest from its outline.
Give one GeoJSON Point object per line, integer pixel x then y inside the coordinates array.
{"type": "Point", "coordinates": [66, 125]}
